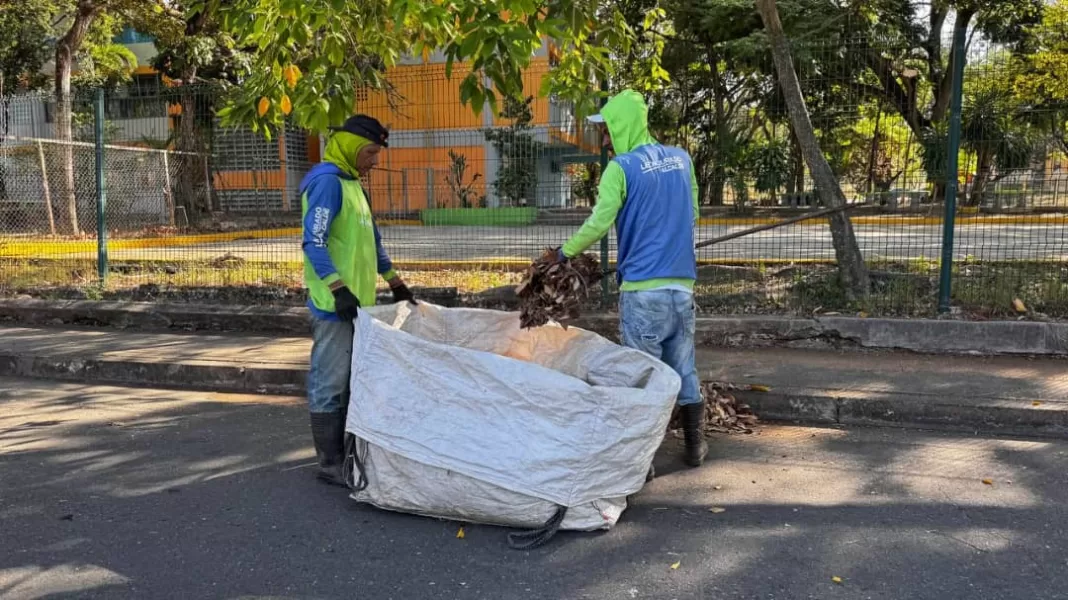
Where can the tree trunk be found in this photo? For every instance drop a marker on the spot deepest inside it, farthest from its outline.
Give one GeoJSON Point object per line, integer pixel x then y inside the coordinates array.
{"type": "Point", "coordinates": [719, 185]}
{"type": "Point", "coordinates": [984, 163]}
{"type": "Point", "coordinates": [66, 189]}
{"type": "Point", "coordinates": [852, 271]}
{"type": "Point", "coordinates": [944, 86]}
{"type": "Point", "coordinates": [66, 48]}
{"type": "Point", "coordinates": [874, 154]}
{"type": "Point", "coordinates": [719, 164]}
{"type": "Point", "coordinates": [796, 183]}
{"type": "Point", "coordinates": [713, 174]}
{"type": "Point", "coordinates": [190, 172]}
{"type": "Point", "coordinates": [5, 115]}
{"type": "Point", "coordinates": [700, 169]}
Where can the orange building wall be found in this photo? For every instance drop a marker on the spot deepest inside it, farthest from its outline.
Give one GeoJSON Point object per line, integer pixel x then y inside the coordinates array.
{"type": "Point", "coordinates": [405, 171]}
{"type": "Point", "coordinates": [425, 99]}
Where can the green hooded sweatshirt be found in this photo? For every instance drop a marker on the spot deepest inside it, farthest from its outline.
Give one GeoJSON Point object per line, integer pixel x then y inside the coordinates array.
{"type": "Point", "coordinates": [336, 208]}
{"type": "Point", "coordinates": [341, 151]}
{"type": "Point", "coordinates": [627, 119]}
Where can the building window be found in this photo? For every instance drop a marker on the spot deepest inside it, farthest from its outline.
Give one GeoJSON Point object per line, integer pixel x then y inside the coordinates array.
{"type": "Point", "coordinates": [141, 99]}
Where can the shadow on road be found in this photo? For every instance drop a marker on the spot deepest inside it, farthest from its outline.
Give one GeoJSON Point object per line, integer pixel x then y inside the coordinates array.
{"type": "Point", "coordinates": [124, 493]}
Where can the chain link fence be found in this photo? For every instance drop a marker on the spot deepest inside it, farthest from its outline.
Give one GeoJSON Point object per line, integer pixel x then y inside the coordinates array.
{"type": "Point", "coordinates": [465, 200]}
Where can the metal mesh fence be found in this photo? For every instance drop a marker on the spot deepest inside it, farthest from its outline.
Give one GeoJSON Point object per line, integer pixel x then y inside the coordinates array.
{"type": "Point", "coordinates": [465, 200]}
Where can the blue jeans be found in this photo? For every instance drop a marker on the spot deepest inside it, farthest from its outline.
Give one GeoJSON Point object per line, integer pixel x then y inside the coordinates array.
{"type": "Point", "coordinates": [331, 362]}
{"type": "Point", "coordinates": [661, 323]}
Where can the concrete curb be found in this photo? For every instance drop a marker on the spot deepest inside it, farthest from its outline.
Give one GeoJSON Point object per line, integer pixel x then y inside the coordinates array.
{"type": "Point", "coordinates": [157, 316]}
{"type": "Point", "coordinates": [918, 335]}
{"type": "Point", "coordinates": [827, 407]}
{"type": "Point", "coordinates": [929, 336]}
{"type": "Point", "coordinates": [215, 378]}
{"type": "Point", "coordinates": [993, 415]}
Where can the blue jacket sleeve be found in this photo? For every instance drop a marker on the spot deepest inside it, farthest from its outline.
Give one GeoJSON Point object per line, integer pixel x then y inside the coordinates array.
{"type": "Point", "coordinates": [324, 202]}
{"type": "Point", "coordinates": [385, 265]}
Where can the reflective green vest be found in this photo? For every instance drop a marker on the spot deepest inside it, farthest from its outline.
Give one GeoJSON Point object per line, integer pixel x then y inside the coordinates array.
{"type": "Point", "coordinates": [351, 246]}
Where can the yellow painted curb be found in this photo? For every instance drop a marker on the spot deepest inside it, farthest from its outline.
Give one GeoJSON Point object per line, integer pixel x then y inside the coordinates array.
{"type": "Point", "coordinates": [520, 263]}
{"type": "Point", "coordinates": [889, 220]}
{"type": "Point", "coordinates": [16, 248]}
{"type": "Point", "coordinates": [44, 248]}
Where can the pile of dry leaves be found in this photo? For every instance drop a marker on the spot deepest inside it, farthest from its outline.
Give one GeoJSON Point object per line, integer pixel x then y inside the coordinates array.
{"type": "Point", "coordinates": [552, 291]}
{"type": "Point", "coordinates": [723, 412]}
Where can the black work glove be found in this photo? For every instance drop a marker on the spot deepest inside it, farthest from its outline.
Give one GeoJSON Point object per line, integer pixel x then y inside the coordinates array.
{"type": "Point", "coordinates": [345, 304]}
{"type": "Point", "coordinates": [560, 256]}
{"type": "Point", "coordinates": [401, 293]}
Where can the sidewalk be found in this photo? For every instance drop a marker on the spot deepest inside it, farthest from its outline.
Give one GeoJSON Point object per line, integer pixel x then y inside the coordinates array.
{"type": "Point", "coordinates": [995, 394]}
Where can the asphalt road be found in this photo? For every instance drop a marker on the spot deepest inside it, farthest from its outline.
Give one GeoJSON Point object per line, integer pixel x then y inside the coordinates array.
{"type": "Point", "coordinates": [986, 242]}
{"type": "Point", "coordinates": [131, 493]}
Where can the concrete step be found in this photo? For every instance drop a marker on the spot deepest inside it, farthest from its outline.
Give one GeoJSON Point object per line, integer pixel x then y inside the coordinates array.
{"type": "Point", "coordinates": [225, 363]}
{"type": "Point", "coordinates": [936, 336]}
{"type": "Point", "coordinates": [990, 394]}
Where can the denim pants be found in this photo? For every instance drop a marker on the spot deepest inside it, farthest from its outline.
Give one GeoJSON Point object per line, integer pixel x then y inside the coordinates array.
{"type": "Point", "coordinates": [331, 362]}
{"type": "Point", "coordinates": [662, 323]}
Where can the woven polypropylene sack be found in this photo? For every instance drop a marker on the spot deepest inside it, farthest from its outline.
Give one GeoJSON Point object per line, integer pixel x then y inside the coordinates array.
{"type": "Point", "coordinates": [460, 414]}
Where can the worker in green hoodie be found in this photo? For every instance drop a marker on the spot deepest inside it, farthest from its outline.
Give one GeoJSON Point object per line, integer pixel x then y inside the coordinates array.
{"type": "Point", "coordinates": [649, 192]}
{"type": "Point", "coordinates": [343, 257]}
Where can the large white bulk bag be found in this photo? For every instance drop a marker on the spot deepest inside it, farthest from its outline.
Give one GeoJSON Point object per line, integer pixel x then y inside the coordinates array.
{"type": "Point", "coordinates": [458, 413]}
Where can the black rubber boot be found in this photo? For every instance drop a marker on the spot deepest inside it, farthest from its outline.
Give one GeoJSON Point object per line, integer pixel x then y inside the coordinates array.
{"type": "Point", "coordinates": [693, 432]}
{"type": "Point", "coordinates": [328, 432]}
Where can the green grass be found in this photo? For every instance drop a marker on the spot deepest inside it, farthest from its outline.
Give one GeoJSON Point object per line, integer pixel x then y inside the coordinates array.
{"type": "Point", "coordinates": [485, 217]}
{"type": "Point", "coordinates": [39, 277]}
{"type": "Point", "coordinates": [899, 289]}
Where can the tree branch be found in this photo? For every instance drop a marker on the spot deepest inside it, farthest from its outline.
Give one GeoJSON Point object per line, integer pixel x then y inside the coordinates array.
{"type": "Point", "coordinates": [944, 87]}
{"type": "Point", "coordinates": [939, 12]}
{"type": "Point", "coordinates": [894, 93]}
{"type": "Point", "coordinates": [853, 273]}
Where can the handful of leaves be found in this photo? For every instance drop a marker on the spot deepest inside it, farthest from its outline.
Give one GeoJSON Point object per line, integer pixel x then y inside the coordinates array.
{"type": "Point", "coordinates": [554, 291]}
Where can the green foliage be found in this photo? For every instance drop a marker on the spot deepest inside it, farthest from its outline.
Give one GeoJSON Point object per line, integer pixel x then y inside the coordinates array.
{"type": "Point", "coordinates": [1047, 76]}
{"type": "Point", "coordinates": [934, 143]}
{"type": "Point", "coordinates": [518, 150]}
{"type": "Point", "coordinates": [462, 187]}
{"type": "Point", "coordinates": [339, 46]}
{"type": "Point", "coordinates": [584, 181]}
{"type": "Point", "coordinates": [994, 126]}
{"type": "Point", "coordinates": [104, 65]}
{"type": "Point", "coordinates": [1042, 82]}
{"type": "Point", "coordinates": [25, 46]}
{"type": "Point", "coordinates": [193, 48]}
{"type": "Point", "coordinates": [769, 163]}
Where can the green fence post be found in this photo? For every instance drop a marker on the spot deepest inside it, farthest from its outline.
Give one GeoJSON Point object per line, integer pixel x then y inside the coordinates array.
{"type": "Point", "coordinates": [604, 240]}
{"type": "Point", "coordinates": [101, 193]}
{"type": "Point", "coordinates": [945, 278]}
